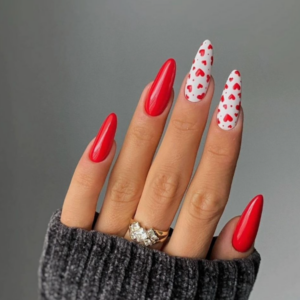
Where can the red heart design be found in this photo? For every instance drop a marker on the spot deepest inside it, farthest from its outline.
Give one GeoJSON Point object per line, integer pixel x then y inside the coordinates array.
{"type": "Point", "coordinates": [226, 86]}
{"type": "Point", "coordinates": [210, 46]}
{"type": "Point", "coordinates": [229, 126]}
{"type": "Point", "coordinates": [228, 118]}
{"type": "Point", "coordinates": [199, 72]}
{"type": "Point", "coordinates": [193, 61]}
{"type": "Point", "coordinates": [189, 88]}
{"type": "Point", "coordinates": [218, 109]}
{"type": "Point", "coordinates": [189, 76]}
{"type": "Point", "coordinates": [236, 87]}
{"type": "Point", "coordinates": [222, 98]}
{"type": "Point", "coordinates": [231, 97]}
{"type": "Point", "coordinates": [200, 97]}
{"type": "Point", "coordinates": [200, 86]}
{"type": "Point", "coordinates": [187, 96]}
{"type": "Point", "coordinates": [240, 95]}
{"type": "Point", "coordinates": [219, 121]}
{"type": "Point", "coordinates": [204, 62]}
{"type": "Point", "coordinates": [230, 79]}
{"type": "Point", "coordinates": [212, 60]}
{"type": "Point", "coordinates": [207, 78]}
{"type": "Point", "coordinates": [236, 115]}
{"type": "Point", "coordinates": [225, 106]}
{"type": "Point", "coordinates": [194, 68]}
{"type": "Point", "coordinates": [237, 73]}
{"type": "Point", "coordinates": [202, 52]}
{"type": "Point", "coordinates": [238, 107]}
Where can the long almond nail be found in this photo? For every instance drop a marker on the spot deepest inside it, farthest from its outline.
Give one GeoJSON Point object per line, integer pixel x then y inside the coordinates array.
{"type": "Point", "coordinates": [247, 227]}
{"type": "Point", "coordinates": [161, 89]}
{"type": "Point", "coordinates": [104, 140]}
{"type": "Point", "coordinates": [230, 103]}
{"type": "Point", "coordinates": [200, 73]}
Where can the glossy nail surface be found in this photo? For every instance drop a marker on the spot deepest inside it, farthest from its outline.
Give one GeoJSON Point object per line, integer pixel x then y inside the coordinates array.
{"type": "Point", "coordinates": [104, 140]}
{"type": "Point", "coordinates": [247, 227]}
{"type": "Point", "coordinates": [161, 89]}
{"type": "Point", "coordinates": [230, 103]}
{"type": "Point", "coordinates": [200, 73]}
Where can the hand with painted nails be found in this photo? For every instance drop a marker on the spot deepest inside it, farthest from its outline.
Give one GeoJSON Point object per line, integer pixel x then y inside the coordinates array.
{"type": "Point", "coordinates": [150, 189]}
{"type": "Point", "coordinates": [151, 192]}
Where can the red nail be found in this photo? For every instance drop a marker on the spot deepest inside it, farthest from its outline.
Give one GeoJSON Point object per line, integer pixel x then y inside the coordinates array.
{"type": "Point", "coordinates": [247, 227]}
{"type": "Point", "coordinates": [161, 89]}
{"type": "Point", "coordinates": [104, 140]}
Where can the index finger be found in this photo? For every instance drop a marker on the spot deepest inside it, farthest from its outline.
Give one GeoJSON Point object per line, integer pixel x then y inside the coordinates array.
{"type": "Point", "coordinates": [89, 177]}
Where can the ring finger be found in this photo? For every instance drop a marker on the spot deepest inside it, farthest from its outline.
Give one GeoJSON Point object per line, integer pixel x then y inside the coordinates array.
{"type": "Point", "coordinates": [129, 173]}
{"type": "Point", "coordinates": [210, 187]}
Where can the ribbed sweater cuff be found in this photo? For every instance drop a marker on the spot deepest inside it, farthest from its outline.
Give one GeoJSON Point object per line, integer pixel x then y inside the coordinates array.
{"type": "Point", "coordinates": [80, 264]}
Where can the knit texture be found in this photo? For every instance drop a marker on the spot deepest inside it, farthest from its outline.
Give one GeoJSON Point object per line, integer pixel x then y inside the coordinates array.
{"type": "Point", "coordinates": [90, 265]}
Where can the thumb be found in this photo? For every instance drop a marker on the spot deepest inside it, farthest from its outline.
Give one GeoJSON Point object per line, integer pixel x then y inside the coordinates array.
{"type": "Point", "coordinates": [236, 239]}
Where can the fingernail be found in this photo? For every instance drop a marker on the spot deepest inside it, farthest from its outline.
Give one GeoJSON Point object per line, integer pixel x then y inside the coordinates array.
{"type": "Point", "coordinates": [161, 89]}
{"type": "Point", "coordinates": [247, 227]}
{"type": "Point", "coordinates": [104, 140]}
{"type": "Point", "coordinates": [200, 73]}
{"type": "Point", "coordinates": [230, 103]}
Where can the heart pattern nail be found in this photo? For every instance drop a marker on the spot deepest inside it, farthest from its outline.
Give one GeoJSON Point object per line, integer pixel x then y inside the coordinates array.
{"type": "Point", "coordinates": [229, 106]}
{"type": "Point", "coordinates": [200, 73]}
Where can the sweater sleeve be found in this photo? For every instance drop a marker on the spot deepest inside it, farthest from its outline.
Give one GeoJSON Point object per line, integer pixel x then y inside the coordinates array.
{"type": "Point", "coordinates": [80, 264]}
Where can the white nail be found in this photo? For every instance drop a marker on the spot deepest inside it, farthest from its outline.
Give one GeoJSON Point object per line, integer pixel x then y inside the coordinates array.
{"type": "Point", "coordinates": [200, 73]}
{"type": "Point", "coordinates": [230, 103]}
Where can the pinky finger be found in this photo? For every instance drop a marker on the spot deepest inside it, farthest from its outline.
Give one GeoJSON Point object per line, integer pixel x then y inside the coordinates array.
{"type": "Point", "coordinates": [236, 240]}
{"type": "Point", "coordinates": [89, 177]}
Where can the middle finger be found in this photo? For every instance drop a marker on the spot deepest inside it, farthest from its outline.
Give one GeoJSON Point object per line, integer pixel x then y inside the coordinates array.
{"type": "Point", "coordinates": [172, 168]}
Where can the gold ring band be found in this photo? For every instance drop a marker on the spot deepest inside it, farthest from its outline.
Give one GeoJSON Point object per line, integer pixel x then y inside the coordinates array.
{"type": "Point", "coordinates": [146, 237]}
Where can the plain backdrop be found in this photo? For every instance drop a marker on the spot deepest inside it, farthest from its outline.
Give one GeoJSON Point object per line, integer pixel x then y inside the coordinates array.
{"type": "Point", "coordinates": [65, 65]}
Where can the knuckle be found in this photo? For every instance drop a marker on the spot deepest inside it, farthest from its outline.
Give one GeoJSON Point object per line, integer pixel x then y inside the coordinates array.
{"type": "Point", "coordinates": [205, 206]}
{"type": "Point", "coordinates": [124, 190]}
{"type": "Point", "coordinates": [220, 153]}
{"type": "Point", "coordinates": [164, 189]}
{"type": "Point", "coordinates": [142, 134]}
{"type": "Point", "coordinates": [84, 180]}
{"type": "Point", "coordinates": [184, 126]}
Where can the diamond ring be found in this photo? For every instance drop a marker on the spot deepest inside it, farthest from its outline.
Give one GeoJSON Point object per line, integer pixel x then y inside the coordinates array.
{"type": "Point", "coordinates": [146, 237]}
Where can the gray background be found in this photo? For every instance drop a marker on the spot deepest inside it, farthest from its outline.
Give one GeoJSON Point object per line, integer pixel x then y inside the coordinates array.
{"type": "Point", "coordinates": [65, 65]}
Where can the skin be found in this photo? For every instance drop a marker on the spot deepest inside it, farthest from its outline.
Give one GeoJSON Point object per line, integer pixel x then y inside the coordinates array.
{"type": "Point", "coordinates": [151, 189]}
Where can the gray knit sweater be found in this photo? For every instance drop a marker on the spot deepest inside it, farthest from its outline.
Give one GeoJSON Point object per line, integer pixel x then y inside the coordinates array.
{"type": "Point", "coordinates": [90, 265]}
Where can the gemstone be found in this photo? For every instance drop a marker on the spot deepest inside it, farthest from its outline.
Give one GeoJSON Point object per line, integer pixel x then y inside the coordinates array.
{"type": "Point", "coordinates": [144, 235]}
{"type": "Point", "coordinates": [135, 226]}
{"type": "Point", "coordinates": [152, 235]}
{"type": "Point", "coordinates": [151, 232]}
{"type": "Point", "coordinates": [154, 238]}
{"type": "Point", "coordinates": [141, 235]}
{"type": "Point", "coordinates": [147, 242]}
{"type": "Point", "coordinates": [133, 235]}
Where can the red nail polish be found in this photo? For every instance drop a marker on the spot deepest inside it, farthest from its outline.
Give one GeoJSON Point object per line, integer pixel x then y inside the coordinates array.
{"type": "Point", "coordinates": [104, 140]}
{"type": "Point", "coordinates": [161, 89]}
{"type": "Point", "coordinates": [247, 227]}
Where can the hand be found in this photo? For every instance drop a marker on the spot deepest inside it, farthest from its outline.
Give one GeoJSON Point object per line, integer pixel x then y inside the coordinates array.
{"type": "Point", "coordinates": [151, 190]}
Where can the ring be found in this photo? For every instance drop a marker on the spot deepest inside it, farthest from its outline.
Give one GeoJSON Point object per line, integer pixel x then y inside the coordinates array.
{"type": "Point", "coordinates": [146, 237]}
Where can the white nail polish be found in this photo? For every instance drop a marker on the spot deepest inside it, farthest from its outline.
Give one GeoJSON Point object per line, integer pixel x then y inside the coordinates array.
{"type": "Point", "coordinates": [200, 73]}
{"type": "Point", "coordinates": [230, 103]}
